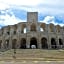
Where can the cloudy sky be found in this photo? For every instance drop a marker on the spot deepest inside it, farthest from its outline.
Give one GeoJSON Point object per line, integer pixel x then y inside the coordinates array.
{"type": "Point", "coordinates": [15, 11]}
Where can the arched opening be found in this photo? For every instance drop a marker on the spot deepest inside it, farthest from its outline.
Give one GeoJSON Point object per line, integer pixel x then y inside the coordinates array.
{"type": "Point", "coordinates": [15, 29]}
{"type": "Point", "coordinates": [7, 30]}
{"type": "Point", "coordinates": [23, 28]}
{"type": "Point", "coordinates": [23, 43]}
{"type": "Point", "coordinates": [53, 43]}
{"type": "Point", "coordinates": [51, 27]}
{"type": "Point", "coordinates": [14, 43]}
{"type": "Point", "coordinates": [7, 43]}
{"type": "Point", "coordinates": [43, 27]}
{"type": "Point", "coordinates": [58, 28]}
{"type": "Point", "coordinates": [0, 43]}
{"type": "Point", "coordinates": [33, 42]}
{"type": "Point", "coordinates": [33, 27]}
{"type": "Point", "coordinates": [44, 43]}
{"type": "Point", "coordinates": [60, 42]}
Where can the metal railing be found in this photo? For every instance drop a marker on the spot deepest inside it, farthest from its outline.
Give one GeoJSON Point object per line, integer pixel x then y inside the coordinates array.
{"type": "Point", "coordinates": [57, 46]}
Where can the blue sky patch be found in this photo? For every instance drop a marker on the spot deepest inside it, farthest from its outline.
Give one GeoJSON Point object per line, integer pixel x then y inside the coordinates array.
{"type": "Point", "coordinates": [21, 14]}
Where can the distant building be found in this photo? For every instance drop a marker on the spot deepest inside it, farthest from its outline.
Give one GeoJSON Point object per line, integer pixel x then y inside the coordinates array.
{"type": "Point", "coordinates": [32, 33]}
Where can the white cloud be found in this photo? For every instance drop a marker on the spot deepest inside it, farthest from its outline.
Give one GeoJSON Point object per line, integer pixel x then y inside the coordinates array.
{"type": "Point", "coordinates": [48, 19]}
{"type": "Point", "coordinates": [51, 19]}
{"type": "Point", "coordinates": [33, 2]}
{"type": "Point", "coordinates": [22, 2]}
{"type": "Point", "coordinates": [3, 6]}
{"type": "Point", "coordinates": [9, 20]}
{"type": "Point", "coordinates": [51, 7]}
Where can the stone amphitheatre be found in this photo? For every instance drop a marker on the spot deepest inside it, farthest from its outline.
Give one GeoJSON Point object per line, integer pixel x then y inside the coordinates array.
{"type": "Point", "coordinates": [32, 40]}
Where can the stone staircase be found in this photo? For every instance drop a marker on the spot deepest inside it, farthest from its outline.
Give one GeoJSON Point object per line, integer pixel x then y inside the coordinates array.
{"type": "Point", "coordinates": [33, 54]}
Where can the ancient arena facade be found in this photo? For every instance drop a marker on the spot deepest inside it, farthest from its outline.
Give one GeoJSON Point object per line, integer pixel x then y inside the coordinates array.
{"type": "Point", "coordinates": [32, 34]}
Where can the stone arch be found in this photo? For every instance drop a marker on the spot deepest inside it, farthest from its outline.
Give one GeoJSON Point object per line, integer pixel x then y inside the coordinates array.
{"type": "Point", "coordinates": [0, 44]}
{"type": "Point", "coordinates": [7, 29]}
{"type": "Point", "coordinates": [58, 28]}
{"type": "Point", "coordinates": [51, 27]}
{"type": "Point", "coordinates": [42, 27]}
{"type": "Point", "coordinates": [44, 43]}
{"type": "Point", "coordinates": [23, 43]}
{"type": "Point", "coordinates": [33, 41]}
{"type": "Point", "coordinates": [23, 28]}
{"type": "Point", "coordinates": [33, 27]}
{"type": "Point", "coordinates": [53, 43]}
{"type": "Point", "coordinates": [60, 41]}
{"type": "Point", "coordinates": [7, 43]}
{"type": "Point", "coordinates": [14, 41]}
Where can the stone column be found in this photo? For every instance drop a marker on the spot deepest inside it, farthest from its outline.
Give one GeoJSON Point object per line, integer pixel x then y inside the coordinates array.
{"type": "Point", "coordinates": [18, 38]}
{"type": "Point", "coordinates": [18, 41]}
{"type": "Point", "coordinates": [49, 42]}
{"type": "Point", "coordinates": [28, 27]}
{"type": "Point", "coordinates": [57, 41]}
{"type": "Point", "coordinates": [3, 41]}
{"type": "Point", "coordinates": [10, 42]}
{"type": "Point", "coordinates": [48, 36]}
{"type": "Point", "coordinates": [28, 42]}
{"type": "Point", "coordinates": [39, 43]}
{"type": "Point", "coordinates": [19, 29]}
{"type": "Point", "coordinates": [63, 40]}
{"type": "Point", "coordinates": [10, 38]}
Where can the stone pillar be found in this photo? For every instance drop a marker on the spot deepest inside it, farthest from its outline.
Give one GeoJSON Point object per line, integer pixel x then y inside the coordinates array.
{"type": "Point", "coordinates": [10, 42]}
{"type": "Point", "coordinates": [3, 41]}
{"type": "Point", "coordinates": [27, 42]}
{"type": "Point", "coordinates": [38, 28]}
{"type": "Point", "coordinates": [63, 41]}
{"type": "Point", "coordinates": [18, 38]}
{"type": "Point", "coordinates": [49, 42]}
{"type": "Point", "coordinates": [57, 42]}
{"type": "Point", "coordinates": [28, 27]}
{"type": "Point", "coordinates": [18, 41]}
{"type": "Point", "coordinates": [39, 43]}
{"type": "Point", "coordinates": [11, 35]}
{"type": "Point", "coordinates": [48, 36]}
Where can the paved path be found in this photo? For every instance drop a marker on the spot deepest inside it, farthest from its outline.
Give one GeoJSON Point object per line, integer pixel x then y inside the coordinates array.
{"type": "Point", "coordinates": [31, 62]}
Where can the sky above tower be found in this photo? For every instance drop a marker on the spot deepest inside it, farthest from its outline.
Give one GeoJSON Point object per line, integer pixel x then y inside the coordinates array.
{"type": "Point", "coordinates": [15, 11]}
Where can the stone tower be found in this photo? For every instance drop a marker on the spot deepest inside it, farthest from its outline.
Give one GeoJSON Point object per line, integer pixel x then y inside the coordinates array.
{"type": "Point", "coordinates": [32, 16]}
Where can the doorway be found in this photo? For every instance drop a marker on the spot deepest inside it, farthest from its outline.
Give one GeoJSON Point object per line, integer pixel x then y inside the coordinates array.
{"type": "Point", "coordinates": [23, 43]}
{"type": "Point", "coordinates": [53, 43]}
{"type": "Point", "coordinates": [44, 43]}
{"type": "Point", "coordinates": [33, 43]}
{"type": "Point", "coordinates": [14, 43]}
